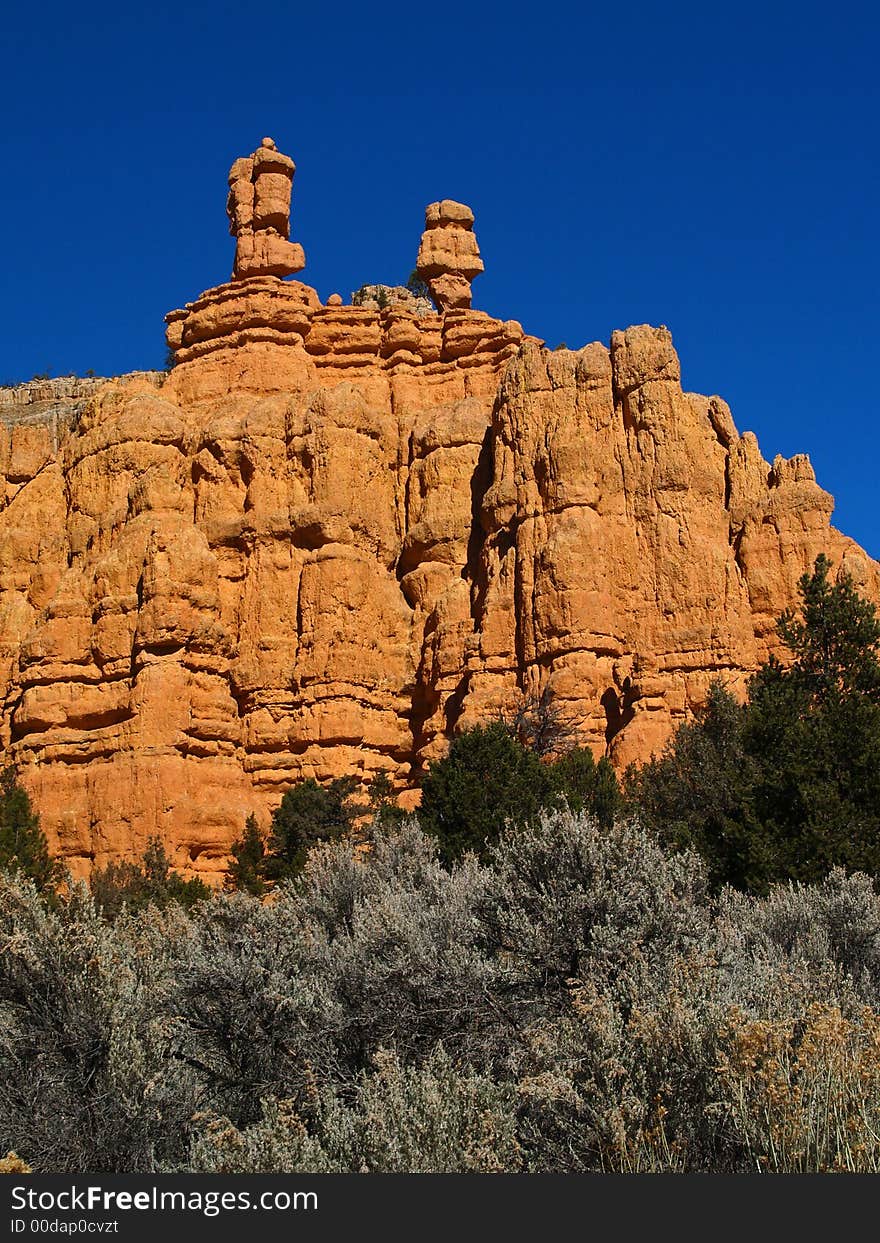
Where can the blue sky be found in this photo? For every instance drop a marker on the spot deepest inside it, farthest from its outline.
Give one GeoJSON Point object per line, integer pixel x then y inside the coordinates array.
{"type": "Point", "coordinates": [713, 168]}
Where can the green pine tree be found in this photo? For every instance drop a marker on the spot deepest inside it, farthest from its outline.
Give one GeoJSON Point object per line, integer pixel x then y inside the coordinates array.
{"type": "Point", "coordinates": [247, 871]}
{"type": "Point", "coordinates": [700, 795]}
{"type": "Point", "coordinates": [382, 801]}
{"type": "Point", "coordinates": [588, 786]}
{"type": "Point", "coordinates": [786, 786]}
{"type": "Point", "coordinates": [23, 846]}
{"type": "Point", "coordinates": [308, 813]}
{"type": "Point", "coordinates": [835, 640]}
{"type": "Point", "coordinates": [814, 726]}
{"type": "Point", "coordinates": [486, 780]}
{"type": "Point", "coordinates": [135, 886]}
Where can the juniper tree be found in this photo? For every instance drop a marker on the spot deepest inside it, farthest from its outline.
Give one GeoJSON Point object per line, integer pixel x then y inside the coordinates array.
{"type": "Point", "coordinates": [308, 813]}
{"type": "Point", "coordinates": [133, 886]}
{"type": "Point", "coordinates": [487, 780]}
{"type": "Point", "coordinates": [700, 794]}
{"type": "Point", "coordinates": [247, 870]}
{"type": "Point", "coordinates": [587, 785]}
{"type": "Point", "coordinates": [23, 846]}
{"type": "Point", "coordinates": [814, 724]}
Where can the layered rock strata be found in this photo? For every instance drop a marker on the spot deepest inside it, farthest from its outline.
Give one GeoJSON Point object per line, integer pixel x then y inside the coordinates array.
{"type": "Point", "coordinates": [47, 403]}
{"type": "Point", "coordinates": [330, 538]}
{"type": "Point", "coordinates": [334, 535]}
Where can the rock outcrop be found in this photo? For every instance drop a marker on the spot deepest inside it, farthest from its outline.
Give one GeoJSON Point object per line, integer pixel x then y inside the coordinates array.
{"type": "Point", "coordinates": [333, 535]}
{"type": "Point", "coordinates": [258, 207]}
{"type": "Point", "coordinates": [379, 297]}
{"type": "Point", "coordinates": [449, 257]}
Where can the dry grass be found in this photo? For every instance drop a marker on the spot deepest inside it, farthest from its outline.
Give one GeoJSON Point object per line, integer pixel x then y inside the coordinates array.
{"type": "Point", "coordinates": [13, 1164]}
{"type": "Point", "coordinates": [804, 1096]}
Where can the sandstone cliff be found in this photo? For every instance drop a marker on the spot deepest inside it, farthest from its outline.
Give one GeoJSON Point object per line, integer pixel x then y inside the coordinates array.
{"type": "Point", "coordinates": [332, 535]}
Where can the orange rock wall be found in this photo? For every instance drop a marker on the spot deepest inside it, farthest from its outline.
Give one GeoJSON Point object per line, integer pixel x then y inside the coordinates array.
{"type": "Point", "coordinates": [331, 536]}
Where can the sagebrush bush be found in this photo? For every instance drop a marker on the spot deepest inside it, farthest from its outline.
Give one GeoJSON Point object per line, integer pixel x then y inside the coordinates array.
{"type": "Point", "coordinates": [426, 1119]}
{"type": "Point", "coordinates": [357, 954]}
{"type": "Point", "coordinates": [578, 1002]}
{"type": "Point", "coordinates": [568, 898]}
{"type": "Point", "coordinates": [612, 939]}
{"type": "Point", "coordinates": [248, 1010]}
{"type": "Point", "coordinates": [824, 936]}
{"type": "Point", "coordinates": [406, 961]}
{"type": "Point", "coordinates": [86, 1080]}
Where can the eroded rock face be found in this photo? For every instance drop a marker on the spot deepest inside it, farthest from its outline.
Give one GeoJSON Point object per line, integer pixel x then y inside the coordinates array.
{"type": "Point", "coordinates": [331, 536]}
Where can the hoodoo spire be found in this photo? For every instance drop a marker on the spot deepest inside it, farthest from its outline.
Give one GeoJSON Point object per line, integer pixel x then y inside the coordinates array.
{"type": "Point", "coordinates": [258, 207]}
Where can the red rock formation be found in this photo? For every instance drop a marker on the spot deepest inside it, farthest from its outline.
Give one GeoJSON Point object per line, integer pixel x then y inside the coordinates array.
{"type": "Point", "coordinates": [449, 257]}
{"type": "Point", "coordinates": [332, 535]}
{"type": "Point", "coordinates": [258, 207]}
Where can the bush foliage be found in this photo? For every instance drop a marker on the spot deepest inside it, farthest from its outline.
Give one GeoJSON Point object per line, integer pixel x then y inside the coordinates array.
{"type": "Point", "coordinates": [152, 882]}
{"type": "Point", "coordinates": [578, 1002]}
{"type": "Point", "coordinates": [500, 774]}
